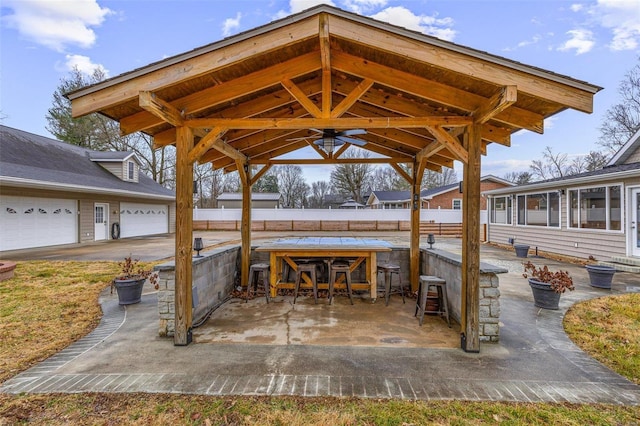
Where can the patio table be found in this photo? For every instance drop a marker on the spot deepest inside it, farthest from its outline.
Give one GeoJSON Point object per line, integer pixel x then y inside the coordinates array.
{"type": "Point", "coordinates": [360, 249]}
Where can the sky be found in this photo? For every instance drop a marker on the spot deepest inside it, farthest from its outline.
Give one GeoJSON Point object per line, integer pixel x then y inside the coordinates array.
{"type": "Point", "coordinates": [597, 41]}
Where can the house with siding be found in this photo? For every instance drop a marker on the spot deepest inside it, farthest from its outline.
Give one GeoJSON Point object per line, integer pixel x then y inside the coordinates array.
{"type": "Point", "coordinates": [259, 200]}
{"type": "Point", "coordinates": [442, 197]}
{"type": "Point", "coordinates": [53, 193]}
{"type": "Point", "coordinates": [589, 214]}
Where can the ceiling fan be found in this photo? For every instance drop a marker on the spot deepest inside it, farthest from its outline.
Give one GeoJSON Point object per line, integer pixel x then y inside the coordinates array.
{"type": "Point", "coordinates": [331, 138]}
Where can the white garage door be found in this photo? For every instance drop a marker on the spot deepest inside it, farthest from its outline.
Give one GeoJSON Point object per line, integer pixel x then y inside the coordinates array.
{"type": "Point", "coordinates": [143, 219]}
{"type": "Point", "coordinates": [27, 222]}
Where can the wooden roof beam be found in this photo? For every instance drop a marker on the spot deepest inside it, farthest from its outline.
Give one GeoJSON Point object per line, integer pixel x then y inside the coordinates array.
{"type": "Point", "coordinates": [401, 172]}
{"type": "Point", "coordinates": [301, 98]}
{"type": "Point", "coordinates": [434, 91]}
{"type": "Point", "coordinates": [352, 98]}
{"type": "Point", "coordinates": [264, 169]}
{"type": "Point", "coordinates": [209, 141]}
{"type": "Point", "coordinates": [451, 143]}
{"type": "Point", "coordinates": [229, 90]}
{"type": "Point", "coordinates": [330, 123]}
{"type": "Point", "coordinates": [325, 59]}
{"type": "Point", "coordinates": [501, 100]}
{"type": "Point", "coordinates": [161, 108]}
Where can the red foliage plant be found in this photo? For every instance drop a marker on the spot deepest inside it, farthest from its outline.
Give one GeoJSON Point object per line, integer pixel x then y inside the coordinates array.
{"type": "Point", "coordinates": [560, 281]}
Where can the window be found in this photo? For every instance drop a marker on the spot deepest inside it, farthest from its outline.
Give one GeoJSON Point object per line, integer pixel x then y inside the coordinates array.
{"type": "Point", "coordinates": [130, 170]}
{"type": "Point", "coordinates": [457, 204]}
{"type": "Point", "coordinates": [500, 210]}
{"type": "Point", "coordinates": [596, 208]}
{"type": "Point", "coordinates": [542, 209]}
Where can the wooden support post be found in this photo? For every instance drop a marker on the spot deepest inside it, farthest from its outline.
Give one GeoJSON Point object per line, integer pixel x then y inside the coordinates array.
{"type": "Point", "coordinates": [184, 233]}
{"type": "Point", "coordinates": [414, 251]}
{"type": "Point", "coordinates": [245, 228]}
{"type": "Point", "coordinates": [470, 323]}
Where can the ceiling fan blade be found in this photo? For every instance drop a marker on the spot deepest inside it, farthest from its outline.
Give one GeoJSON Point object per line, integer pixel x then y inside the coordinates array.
{"type": "Point", "coordinates": [299, 139]}
{"type": "Point", "coordinates": [352, 141]}
{"type": "Point", "coordinates": [352, 132]}
{"type": "Point", "coordinates": [317, 131]}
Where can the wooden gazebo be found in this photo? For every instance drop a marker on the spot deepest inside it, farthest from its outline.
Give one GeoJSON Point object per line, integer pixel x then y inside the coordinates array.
{"type": "Point", "coordinates": [243, 102]}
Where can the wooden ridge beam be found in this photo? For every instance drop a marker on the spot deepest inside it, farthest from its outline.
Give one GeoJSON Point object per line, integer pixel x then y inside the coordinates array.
{"type": "Point", "coordinates": [501, 100]}
{"type": "Point", "coordinates": [325, 59]}
{"type": "Point", "coordinates": [311, 161]}
{"type": "Point", "coordinates": [160, 108]}
{"type": "Point", "coordinates": [330, 123]}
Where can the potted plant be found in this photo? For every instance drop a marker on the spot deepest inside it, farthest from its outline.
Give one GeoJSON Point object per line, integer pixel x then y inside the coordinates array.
{"type": "Point", "coordinates": [600, 275]}
{"type": "Point", "coordinates": [547, 286]}
{"type": "Point", "coordinates": [130, 281]}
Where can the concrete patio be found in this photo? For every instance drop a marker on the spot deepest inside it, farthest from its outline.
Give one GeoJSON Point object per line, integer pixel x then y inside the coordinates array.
{"type": "Point", "coordinates": [314, 350]}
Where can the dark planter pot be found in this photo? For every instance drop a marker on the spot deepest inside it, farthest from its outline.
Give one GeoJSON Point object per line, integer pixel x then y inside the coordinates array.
{"type": "Point", "coordinates": [522, 250]}
{"type": "Point", "coordinates": [600, 276]}
{"type": "Point", "coordinates": [129, 291]}
{"type": "Point", "coordinates": [543, 296]}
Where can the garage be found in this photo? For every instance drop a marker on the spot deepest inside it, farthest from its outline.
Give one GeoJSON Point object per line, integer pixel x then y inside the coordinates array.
{"type": "Point", "coordinates": [27, 222]}
{"type": "Point", "coordinates": [138, 219]}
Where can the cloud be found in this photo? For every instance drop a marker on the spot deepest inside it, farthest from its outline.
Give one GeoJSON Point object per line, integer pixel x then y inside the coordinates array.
{"type": "Point", "coordinates": [56, 24]}
{"type": "Point", "coordinates": [431, 25]}
{"type": "Point", "coordinates": [623, 19]}
{"type": "Point", "coordinates": [364, 6]}
{"type": "Point", "coordinates": [83, 64]}
{"type": "Point", "coordinates": [581, 40]}
{"type": "Point", "coordinates": [231, 24]}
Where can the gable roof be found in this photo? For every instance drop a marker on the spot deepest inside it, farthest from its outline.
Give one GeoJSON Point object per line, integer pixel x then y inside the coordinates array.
{"type": "Point", "coordinates": [257, 95]}
{"type": "Point", "coordinates": [112, 156]}
{"type": "Point", "coordinates": [628, 149]}
{"type": "Point", "coordinates": [33, 161]}
{"type": "Point", "coordinates": [391, 196]}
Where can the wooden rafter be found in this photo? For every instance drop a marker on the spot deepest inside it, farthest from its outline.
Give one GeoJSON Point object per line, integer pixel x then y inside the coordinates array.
{"type": "Point", "coordinates": [352, 98]}
{"type": "Point", "coordinates": [226, 91]}
{"type": "Point", "coordinates": [431, 90]}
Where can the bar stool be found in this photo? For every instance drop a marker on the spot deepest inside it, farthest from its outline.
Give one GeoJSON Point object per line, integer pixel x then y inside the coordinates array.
{"type": "Point", "coordinates": [254, 274]}
{"type": "Point", "coordinates": [426, 282]}
{"type": "Point", "coordinates": [339, 267]}
{"type": "Point", "coordinates": [389, 270]}
{"type": "Point", "coordinates": [310, 270]}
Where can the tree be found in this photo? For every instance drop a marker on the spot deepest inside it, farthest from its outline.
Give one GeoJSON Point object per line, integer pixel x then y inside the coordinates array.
{"type": "Point", "coordinates": [622, 120]}
{"type": "Point", "coordinates": [268, 182]}
{"type": "Point", "coordinates": [385, 178]}
{"type": "Point", "coordinates": [319, 190]}
{"type": "Point", "coordinates": [292, 186]}
{"type": "Point", "coordinates": [97, 132]}
{"type": "Point", "coordinates": [353, 179]}
{"type": "Point", "coordinates": [519, 178]}
{"type": "Point", "coordinates": [433, 179]}
{"type": "Point", "coordinates": [551, 166]}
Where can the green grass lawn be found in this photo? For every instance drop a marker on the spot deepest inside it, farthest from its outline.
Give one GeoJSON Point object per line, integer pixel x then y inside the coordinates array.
{"type": "Point", "coordinates": [47, 297]}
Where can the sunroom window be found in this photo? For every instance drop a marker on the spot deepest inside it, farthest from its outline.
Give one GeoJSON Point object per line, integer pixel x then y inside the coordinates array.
{"type": "Point", "coordinates": [542, 209]}
{"type": "Point", "coordinates": [596, 208]}
{"type": "Point", "coordinates": [501, 210]}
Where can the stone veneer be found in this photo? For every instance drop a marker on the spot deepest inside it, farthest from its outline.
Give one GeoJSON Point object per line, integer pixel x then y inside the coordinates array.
{"type": "Point", "coordinates": [448, 266]}
{"type": "Point", "coordinates": [213, 281]}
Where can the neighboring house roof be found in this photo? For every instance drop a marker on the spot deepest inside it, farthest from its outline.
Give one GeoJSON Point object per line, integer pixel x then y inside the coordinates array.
{"type": "Point", "coordinates": [351, 203]}
{"type": "Point", "coordinates": [621, 171]}
{"type": "Point", "coordinates": [33, 161]}
{"type": "Point", "coordinates": [391, 196]}
{"type": "Point", "coordinates": [112, 156]}
{"type": "Point", "coordinates": [255, 196]}
{"type": "Point", "coordinates": [632, 145]}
